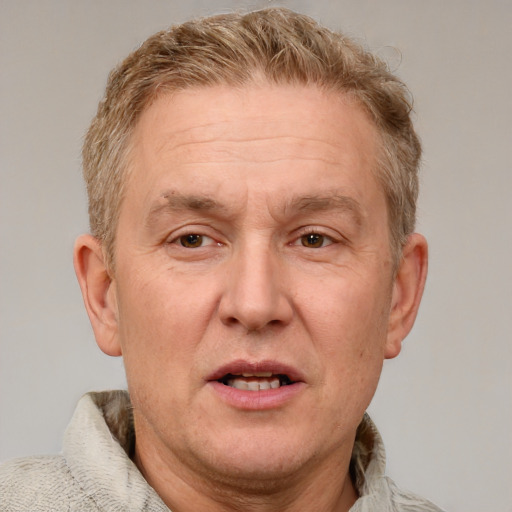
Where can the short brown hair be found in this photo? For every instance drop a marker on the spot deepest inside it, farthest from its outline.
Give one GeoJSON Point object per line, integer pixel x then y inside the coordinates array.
{"type": "Point", "coordinates": [231, 49]}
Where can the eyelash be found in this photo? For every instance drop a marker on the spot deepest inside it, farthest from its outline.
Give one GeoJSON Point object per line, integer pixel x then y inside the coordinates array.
{"type": "Point", "coordinates": [326, 239]}
{"type": "Point", "coordinates": [314, 231]}
{"type": "Point", "coordinates": [178, 240]}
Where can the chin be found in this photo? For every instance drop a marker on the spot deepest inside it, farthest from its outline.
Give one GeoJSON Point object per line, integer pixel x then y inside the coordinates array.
{"type": "Point", "coordinates": [257, 462]}
{"type": "Point", "coordinates": [256, 476]}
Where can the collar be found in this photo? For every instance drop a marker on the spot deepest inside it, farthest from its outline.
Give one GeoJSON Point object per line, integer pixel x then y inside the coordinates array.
{"type": "Point", "coordinates": [96, 447]}
{"type": "Point", "coordinates": [107, 474]}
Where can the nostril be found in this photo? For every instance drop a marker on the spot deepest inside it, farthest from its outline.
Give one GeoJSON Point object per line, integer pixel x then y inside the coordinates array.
{"type": "Point", "coordinates": [231, 321]}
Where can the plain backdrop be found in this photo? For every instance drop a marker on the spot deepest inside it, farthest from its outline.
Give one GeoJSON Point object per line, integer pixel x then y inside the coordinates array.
{"type": "Point", "coordinates": [444, 406]}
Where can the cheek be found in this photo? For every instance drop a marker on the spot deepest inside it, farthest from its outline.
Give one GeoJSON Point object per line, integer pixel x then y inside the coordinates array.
{"type": "Point", "coordinates": [352, 360]}
{"type": "Point", "coordinates": [161, 322]}
{"type": "Point", "coordinates": [348, 325]}
{"type": "Point", "coordinates": [351, 307]}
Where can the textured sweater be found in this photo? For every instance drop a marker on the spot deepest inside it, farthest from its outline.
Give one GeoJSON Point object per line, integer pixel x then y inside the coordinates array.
{"type": "Point", "coordinates": [95, 472]}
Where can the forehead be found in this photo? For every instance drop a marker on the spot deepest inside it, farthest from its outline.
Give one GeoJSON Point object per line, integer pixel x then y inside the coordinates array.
{"type": "Point", "coordinates": [260, 135]}
{"type": "Point", "coordinates": [331, 115]}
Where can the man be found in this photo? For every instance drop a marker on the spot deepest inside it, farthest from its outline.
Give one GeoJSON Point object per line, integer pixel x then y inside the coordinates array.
{"type": "Point", "coordinates": [252, 184]}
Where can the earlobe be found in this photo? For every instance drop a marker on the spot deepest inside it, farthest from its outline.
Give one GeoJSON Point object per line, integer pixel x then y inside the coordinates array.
{"type": "Point", "coordinates": [98, 292]}
{"type": "Point", "coordinates": [407, 292]}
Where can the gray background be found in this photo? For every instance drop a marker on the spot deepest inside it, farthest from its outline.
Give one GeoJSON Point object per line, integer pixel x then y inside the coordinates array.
{"type": "Point", "coordinates": [445, 405]}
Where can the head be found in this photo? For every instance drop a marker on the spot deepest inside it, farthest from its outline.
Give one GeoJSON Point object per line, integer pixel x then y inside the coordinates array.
{"type": "Point", "coordinates": [252, 257]}
{"type": "Point", "coordinates": [274, 45]}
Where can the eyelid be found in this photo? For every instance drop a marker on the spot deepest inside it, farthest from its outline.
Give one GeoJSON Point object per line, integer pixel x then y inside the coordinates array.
{"type": "Point", "coordinates": [204, 232]}
{"type": "Point", "coordinates": [205, 239]}
{"type": "Point", "coordinates": [328, 233]}
{"type": "Point", "coordinates": [326, 242]}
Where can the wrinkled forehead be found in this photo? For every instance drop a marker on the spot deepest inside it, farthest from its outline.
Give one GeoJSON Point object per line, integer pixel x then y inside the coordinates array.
{"type": "Point", "coordinates": [268, 118]}
{"type": "Point", "coordinates": [268, 138]}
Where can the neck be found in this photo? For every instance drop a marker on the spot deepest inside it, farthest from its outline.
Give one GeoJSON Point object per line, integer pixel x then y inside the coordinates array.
{"type": "Point", "coordinates": [323, 487]}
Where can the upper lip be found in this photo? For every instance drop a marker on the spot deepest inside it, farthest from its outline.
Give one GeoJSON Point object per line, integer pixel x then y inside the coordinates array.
{"type": "Point", "coordinates": [240, 366]}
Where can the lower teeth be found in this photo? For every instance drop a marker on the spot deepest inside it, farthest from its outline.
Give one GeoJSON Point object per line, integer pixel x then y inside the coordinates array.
{"type": "Point", "coordinates": [245, 384]}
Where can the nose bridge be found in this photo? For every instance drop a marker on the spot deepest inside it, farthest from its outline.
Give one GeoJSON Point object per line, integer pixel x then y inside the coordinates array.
{"type": "Point", "coordinates": [255, 295]}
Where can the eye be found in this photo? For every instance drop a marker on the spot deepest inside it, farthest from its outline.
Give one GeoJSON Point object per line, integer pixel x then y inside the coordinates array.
{"type": "Point", "coordinates": [315, 240]}
{"type": "Point", "coordinates": [194, 240]}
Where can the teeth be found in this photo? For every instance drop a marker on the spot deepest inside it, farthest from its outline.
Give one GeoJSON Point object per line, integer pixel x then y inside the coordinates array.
{"type": "Point", "coordinates": [253, 385]}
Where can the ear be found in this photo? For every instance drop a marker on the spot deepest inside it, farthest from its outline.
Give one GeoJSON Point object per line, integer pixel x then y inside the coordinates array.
{"type": "Point", "coordinates": [98, 292]}
{"type": "Point", "coordinates": [407, 292]}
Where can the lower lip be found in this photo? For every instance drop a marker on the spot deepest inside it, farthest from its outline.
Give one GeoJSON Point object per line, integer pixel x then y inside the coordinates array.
{"type": "Point", "coordinates": [256, 400]}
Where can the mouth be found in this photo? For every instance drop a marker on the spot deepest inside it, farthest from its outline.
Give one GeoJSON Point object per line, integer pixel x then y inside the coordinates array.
{"type": "Point", "coordinates": [257, 381]}
{"type": "Point", "coordinates": [257, 386]}
{"type": "Point", "coordinates": [259, 376]}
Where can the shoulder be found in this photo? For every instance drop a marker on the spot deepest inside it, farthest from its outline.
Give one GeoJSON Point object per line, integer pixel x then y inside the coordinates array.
{"type": "Point", "coordinates": [41, 484]}
{"type": "Point", "coordinates": [376, 490]}
{"type": "Point", "coordinates": [388, 497]}
{"type": "Point", "coordinates": [406, 501]}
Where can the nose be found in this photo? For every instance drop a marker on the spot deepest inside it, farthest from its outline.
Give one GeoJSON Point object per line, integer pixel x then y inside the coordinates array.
{"type": "Point", "coordinates": [255, 294]}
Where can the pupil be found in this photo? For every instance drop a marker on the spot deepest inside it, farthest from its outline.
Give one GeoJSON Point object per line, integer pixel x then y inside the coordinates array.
{"type": "Point", "coordinates": [312, 240]}
{"type": "Point", "coordinates": [191, 240]}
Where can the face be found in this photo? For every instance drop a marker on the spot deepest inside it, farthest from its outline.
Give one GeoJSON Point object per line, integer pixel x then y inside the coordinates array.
{"type": "Point", "coordinates": [253, 284]}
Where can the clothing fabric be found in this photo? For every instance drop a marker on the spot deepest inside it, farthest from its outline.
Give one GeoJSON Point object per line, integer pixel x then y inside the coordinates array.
{"type": "Point", "coordinates": [94, 472]}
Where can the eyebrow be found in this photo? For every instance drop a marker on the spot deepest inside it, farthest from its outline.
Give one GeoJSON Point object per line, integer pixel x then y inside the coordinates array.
{"type": "Point", "coordinates": [172, 202]}
{"type": "Point", "coordinates": [315, 203]}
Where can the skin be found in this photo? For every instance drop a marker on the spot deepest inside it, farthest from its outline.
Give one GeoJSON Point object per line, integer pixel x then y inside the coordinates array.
{"type": "Point", "coordinates": [260, 173]}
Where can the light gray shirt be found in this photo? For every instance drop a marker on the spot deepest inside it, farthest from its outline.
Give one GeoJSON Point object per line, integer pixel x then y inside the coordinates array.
{"type": "Point", "coordinates": [95, 472]}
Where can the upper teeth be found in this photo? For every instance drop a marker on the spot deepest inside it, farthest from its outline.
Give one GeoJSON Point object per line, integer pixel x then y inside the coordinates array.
{"type": "Point", "coordinates": [257, 374]}
{"type": "Point", "coordinates": [255, 384]}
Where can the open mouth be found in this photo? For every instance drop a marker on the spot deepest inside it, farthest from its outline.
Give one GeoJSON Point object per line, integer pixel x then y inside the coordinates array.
{"type": "Point", "coordinates": [259, 381]}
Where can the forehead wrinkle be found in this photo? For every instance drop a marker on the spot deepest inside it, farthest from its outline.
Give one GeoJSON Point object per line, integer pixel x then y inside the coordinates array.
{"type": "Point", "coordinates": [287, 146]}
{"type": "Point", "coordinates": [263, 160]}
